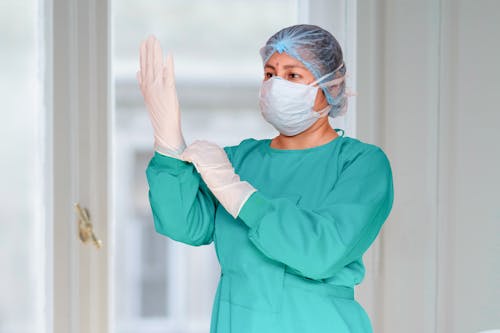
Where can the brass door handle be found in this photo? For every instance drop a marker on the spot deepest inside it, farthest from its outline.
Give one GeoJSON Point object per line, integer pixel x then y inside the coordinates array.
{"type": "Point", "coordinates": [85, 229]}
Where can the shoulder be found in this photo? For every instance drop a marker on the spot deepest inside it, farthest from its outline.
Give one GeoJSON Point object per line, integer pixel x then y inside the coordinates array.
{"type": "Point", "coordinates": [243, 148]}
{"type": "Point", "coordinates": [354, 152]}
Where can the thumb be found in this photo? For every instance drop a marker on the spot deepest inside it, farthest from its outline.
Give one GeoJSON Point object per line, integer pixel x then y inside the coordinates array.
{"type": "Point", "coordinates": [138, 76]}
{"type": "Point", "coordinates": [187, 155]}
{"type": "Point", "coordinates": [139, 81]}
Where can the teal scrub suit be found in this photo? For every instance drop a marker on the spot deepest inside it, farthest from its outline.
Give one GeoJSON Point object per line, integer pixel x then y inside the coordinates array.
{"type": "Point", "coordinates": [290, 260]}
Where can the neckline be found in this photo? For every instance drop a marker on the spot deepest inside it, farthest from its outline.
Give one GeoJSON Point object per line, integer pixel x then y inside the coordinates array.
{"type": "Point", "coordinates": [267, 145]}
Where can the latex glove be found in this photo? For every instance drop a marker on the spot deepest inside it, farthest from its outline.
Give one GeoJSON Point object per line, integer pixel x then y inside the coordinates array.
{"type": "Point", "coordinates": [157, 83]}
{"type": "Point", "coordinates": [218, 173]}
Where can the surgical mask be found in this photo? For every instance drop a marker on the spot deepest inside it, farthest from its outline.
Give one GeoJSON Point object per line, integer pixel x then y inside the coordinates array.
{"type": "Point", "coordinates": [288, 106]}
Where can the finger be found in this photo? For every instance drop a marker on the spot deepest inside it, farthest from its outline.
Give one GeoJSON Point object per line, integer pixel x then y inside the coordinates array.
{"type": "Point", "coordinates": [143, 60]}
{"type": "Point", "coordinates": [139, 81]}
{"type": "Point", "coordinates": [139, 78]}
{"type": "Point", "coordinates": [191, 151]}
{"type": "Point", "coordinates": [169, 75]}
{"type": "Point", "coordinates": [186, 155]}
{"type": "Point", "coordinates": [150, 59]}
{"type": "Point", "coordinates": [158, 60]}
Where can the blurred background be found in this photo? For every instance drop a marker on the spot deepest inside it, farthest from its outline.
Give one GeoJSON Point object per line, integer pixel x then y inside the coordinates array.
{"type": "Point", "coordinates": [74, 129]}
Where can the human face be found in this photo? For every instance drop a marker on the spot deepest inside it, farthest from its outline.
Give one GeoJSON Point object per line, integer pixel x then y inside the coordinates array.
{"type": "Point", "coordinates": [288, 68]}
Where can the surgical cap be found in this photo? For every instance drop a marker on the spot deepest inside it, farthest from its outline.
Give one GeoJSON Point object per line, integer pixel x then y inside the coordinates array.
{"type": "Point", "coordinates": [320, 53]}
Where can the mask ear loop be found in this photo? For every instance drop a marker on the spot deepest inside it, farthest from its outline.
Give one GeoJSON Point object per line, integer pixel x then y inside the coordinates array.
{"type": "Point", "coordinates": [322, 113]}
{"type": "Point", "coordinates": [332, 82]}
{"type": "Point", "coordinates": [326, 110]}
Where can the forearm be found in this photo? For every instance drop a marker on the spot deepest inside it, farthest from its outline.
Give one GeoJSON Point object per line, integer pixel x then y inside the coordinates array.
{"type": "Point", "coordinates": [183, 208]}
{"type": "Point", "coordinates": [316, 243]}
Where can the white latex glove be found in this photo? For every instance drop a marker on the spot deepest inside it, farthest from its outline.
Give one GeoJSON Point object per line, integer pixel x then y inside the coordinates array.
{"type": "Point", "coordinates": [157, 83]}
{"type": "Point", "coordinates": [218, 173]}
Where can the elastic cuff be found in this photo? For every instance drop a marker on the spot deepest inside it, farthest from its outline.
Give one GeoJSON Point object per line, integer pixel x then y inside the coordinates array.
{"type": "Point", "coordinates": [250, 191]}
{"type": "Point", "coordinates": [169, 162]}
{"type": "Point", "coordinates": [169, 152]}
{"type": "Point", "coordinates": [254, 209]}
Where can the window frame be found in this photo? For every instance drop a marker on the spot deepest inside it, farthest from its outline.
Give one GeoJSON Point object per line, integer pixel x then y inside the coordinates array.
{"type": "Point", "coordinates": [78, 96]}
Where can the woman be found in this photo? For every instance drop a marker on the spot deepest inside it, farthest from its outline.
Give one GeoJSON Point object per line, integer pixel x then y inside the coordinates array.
{"type": "Point", "coordinates": [290, 216]}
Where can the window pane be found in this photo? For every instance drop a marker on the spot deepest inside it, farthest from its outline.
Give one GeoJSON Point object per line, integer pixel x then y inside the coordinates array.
{"type": "Point", "coordinates": [22, 232]}
{"type": "Point", "coordinates": [162, 285]}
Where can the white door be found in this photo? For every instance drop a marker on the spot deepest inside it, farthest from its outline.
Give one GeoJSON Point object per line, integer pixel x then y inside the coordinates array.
{"type": "Point", "coordinates": [55, 95]}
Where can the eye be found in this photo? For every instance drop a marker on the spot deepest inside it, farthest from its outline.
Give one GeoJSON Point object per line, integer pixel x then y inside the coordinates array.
{"type": "Point", "coordinates": [294, 76]}
{"type": "Point", "coordinates": [268, 75]}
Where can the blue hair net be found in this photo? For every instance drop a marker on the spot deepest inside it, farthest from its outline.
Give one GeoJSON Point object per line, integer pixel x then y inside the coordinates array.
{"type": "Point", "coordinates": [320, 53]}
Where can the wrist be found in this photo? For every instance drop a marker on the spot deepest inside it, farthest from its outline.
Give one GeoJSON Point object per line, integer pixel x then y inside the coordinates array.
{"type": "Point", "coordinates": [233, 197]}
{"type": "Point", "coordinates": [170, 151]}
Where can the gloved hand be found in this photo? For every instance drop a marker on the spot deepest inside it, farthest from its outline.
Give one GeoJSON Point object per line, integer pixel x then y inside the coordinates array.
{"type": "Point", "coordinates": [157, 83]}
{"type": "Point", "coordinates": [216, 170]}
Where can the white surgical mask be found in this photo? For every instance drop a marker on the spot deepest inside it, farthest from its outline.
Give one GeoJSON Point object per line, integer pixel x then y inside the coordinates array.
{"type": "Point", "coordinates": [288, 106]}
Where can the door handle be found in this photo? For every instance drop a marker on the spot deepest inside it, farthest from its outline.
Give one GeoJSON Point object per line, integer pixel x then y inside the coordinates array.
{"type": "Point", "coordinates": [85, 228]}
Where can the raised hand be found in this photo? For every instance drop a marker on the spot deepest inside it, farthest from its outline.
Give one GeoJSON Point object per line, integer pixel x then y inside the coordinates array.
{"type": "Point", "coordinates": [157, 82]}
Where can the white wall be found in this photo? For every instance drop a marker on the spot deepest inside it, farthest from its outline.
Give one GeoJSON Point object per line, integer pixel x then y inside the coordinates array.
{"type": "Point", "coordinates": [428, 76]}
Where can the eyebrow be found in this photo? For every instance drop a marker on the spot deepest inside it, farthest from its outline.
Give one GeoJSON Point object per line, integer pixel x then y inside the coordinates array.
{"type": "Point", "coordinates": [285, 67]}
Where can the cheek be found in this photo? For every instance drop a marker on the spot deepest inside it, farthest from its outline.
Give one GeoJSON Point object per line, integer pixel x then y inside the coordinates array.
{"type": "Point", "coordinates": [320, 96]}
{"type": "Point", "coordinates": [320, 101]}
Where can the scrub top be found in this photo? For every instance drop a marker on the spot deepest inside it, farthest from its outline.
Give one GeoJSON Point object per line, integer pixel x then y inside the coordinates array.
{"type": "Point", "coordinates": [291, 258]}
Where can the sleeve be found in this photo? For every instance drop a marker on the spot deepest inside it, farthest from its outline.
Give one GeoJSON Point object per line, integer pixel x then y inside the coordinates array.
{"type": "Point", "coordinates": [183, 207]}
{"type": "Point", "coordinates": [318, 243]}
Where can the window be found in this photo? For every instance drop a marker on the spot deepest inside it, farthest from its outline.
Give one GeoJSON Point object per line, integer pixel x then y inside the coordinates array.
{"type": "Point", "coordinates": [22, 224]}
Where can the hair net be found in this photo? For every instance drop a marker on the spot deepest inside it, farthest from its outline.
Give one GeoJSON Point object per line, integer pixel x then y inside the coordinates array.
{"type": "Point", "coordinates": [320, 53]}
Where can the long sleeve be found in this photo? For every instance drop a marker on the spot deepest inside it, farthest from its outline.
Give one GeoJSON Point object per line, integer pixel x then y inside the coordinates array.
{"type": "Point", "coordinates": [183, 207]}
{"type": "Point", "coordinates": [318, 243]}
